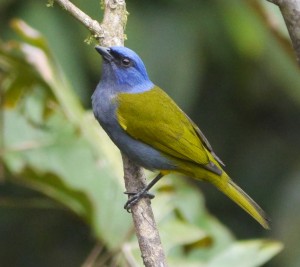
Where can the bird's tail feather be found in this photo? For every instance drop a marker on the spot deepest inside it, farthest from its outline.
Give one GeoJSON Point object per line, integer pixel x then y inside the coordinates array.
{"type": "Point", "coordinates": [235, 193]}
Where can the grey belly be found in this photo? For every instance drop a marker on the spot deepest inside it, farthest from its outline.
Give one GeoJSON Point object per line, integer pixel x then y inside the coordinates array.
{"type": "Point", "coordinates": [142, 154]}
{"type": "Point", "coordinates": [139, 152]}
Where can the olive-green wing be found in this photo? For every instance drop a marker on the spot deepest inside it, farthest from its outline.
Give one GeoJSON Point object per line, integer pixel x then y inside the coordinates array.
{"type": "Point", "coordinates": [206, 142]}
{"type": "Point", "coordinates": [153, 118]}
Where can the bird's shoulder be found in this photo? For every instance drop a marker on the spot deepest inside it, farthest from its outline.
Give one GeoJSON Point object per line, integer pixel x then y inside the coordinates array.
{"type": "Point", "coordinates": [155, 98]}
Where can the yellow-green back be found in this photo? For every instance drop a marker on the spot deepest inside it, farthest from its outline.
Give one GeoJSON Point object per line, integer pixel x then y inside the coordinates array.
{"type": "Point", "coordinates": [155, 119]}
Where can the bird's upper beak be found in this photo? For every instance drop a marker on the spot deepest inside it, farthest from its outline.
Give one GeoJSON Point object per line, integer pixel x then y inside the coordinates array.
{"type": "Point", "coordinates": [104, 52]}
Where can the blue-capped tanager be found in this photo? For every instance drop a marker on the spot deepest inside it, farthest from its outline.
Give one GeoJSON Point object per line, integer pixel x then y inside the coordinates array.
{"type": "Point", "coordinates": [151, 130]}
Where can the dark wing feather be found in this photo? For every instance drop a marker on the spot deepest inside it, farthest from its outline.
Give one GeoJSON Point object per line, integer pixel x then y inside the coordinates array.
{"type": "Point", "coordinates": [205, 142]}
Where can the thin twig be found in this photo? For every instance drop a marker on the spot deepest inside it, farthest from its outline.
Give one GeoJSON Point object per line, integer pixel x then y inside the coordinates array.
{"type": "Point", "coordinates": [109, 33]}
{"type": "Point", "coordinates": [2, 174]}
{"type": "Point", "coordinates": [93, 25]}
{"type": "Point", "coordinates": [126, 249]}
{"type": "Point", "coordinates": [92, 257]}
{"type": "Point", "coordinates": [290, 10]}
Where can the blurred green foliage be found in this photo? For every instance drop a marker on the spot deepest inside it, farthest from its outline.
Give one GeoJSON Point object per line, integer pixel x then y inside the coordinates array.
{"type": "Point", "coordinates": [225, 66]}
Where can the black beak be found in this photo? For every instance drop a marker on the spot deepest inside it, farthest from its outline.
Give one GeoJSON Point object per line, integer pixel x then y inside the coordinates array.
{"type": "Point", "coordinates": [104, 52]}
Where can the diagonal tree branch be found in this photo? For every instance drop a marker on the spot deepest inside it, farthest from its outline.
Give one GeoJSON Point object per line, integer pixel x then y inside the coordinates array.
{"type": "Point", "coordinates": [109, 33]}
{"type": "Point", "coordinates": [290, 10]}
{"type": "Point", "coordinates": [93, 25]}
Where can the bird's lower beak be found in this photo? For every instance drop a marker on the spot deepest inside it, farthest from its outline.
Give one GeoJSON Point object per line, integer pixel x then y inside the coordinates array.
{"type": "Point", "coordinates": [104, 52]}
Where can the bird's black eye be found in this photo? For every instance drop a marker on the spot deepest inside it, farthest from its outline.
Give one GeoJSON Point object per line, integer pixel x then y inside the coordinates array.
{"type": "Point", "coordinates": [126, 62]}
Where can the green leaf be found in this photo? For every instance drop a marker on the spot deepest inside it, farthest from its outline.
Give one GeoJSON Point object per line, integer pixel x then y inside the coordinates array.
{"type": "Point", "coordinates": [252, 253]}
{"type": "Point", "coordinates": [177, 233]}
{"type": "Point", "coordinates": [57, 161]}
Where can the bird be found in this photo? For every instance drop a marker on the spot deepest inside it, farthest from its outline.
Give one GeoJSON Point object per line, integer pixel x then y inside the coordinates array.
{"type": "Point", "coordinates": [154, 132]}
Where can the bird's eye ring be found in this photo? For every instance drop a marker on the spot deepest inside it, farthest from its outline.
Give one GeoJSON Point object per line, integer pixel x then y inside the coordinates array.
{"type": "Point", "coordinates": [126, 62]}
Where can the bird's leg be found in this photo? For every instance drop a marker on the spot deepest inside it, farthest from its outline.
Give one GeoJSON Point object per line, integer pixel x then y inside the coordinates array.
{"type": "Point", "coordinates": [135, 197]}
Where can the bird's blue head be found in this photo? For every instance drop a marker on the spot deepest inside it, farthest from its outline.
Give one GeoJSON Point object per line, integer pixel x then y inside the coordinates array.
{"type": "Point", "coordinates": [123, 70]}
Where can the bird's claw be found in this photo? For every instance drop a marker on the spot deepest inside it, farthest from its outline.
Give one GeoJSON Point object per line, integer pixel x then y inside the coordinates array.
{"type": "Point", "coordinates": [135, 197]}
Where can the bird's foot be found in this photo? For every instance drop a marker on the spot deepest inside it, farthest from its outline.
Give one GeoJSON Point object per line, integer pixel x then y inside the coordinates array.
{"type": "Point", "coordinates": [135, 197]}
